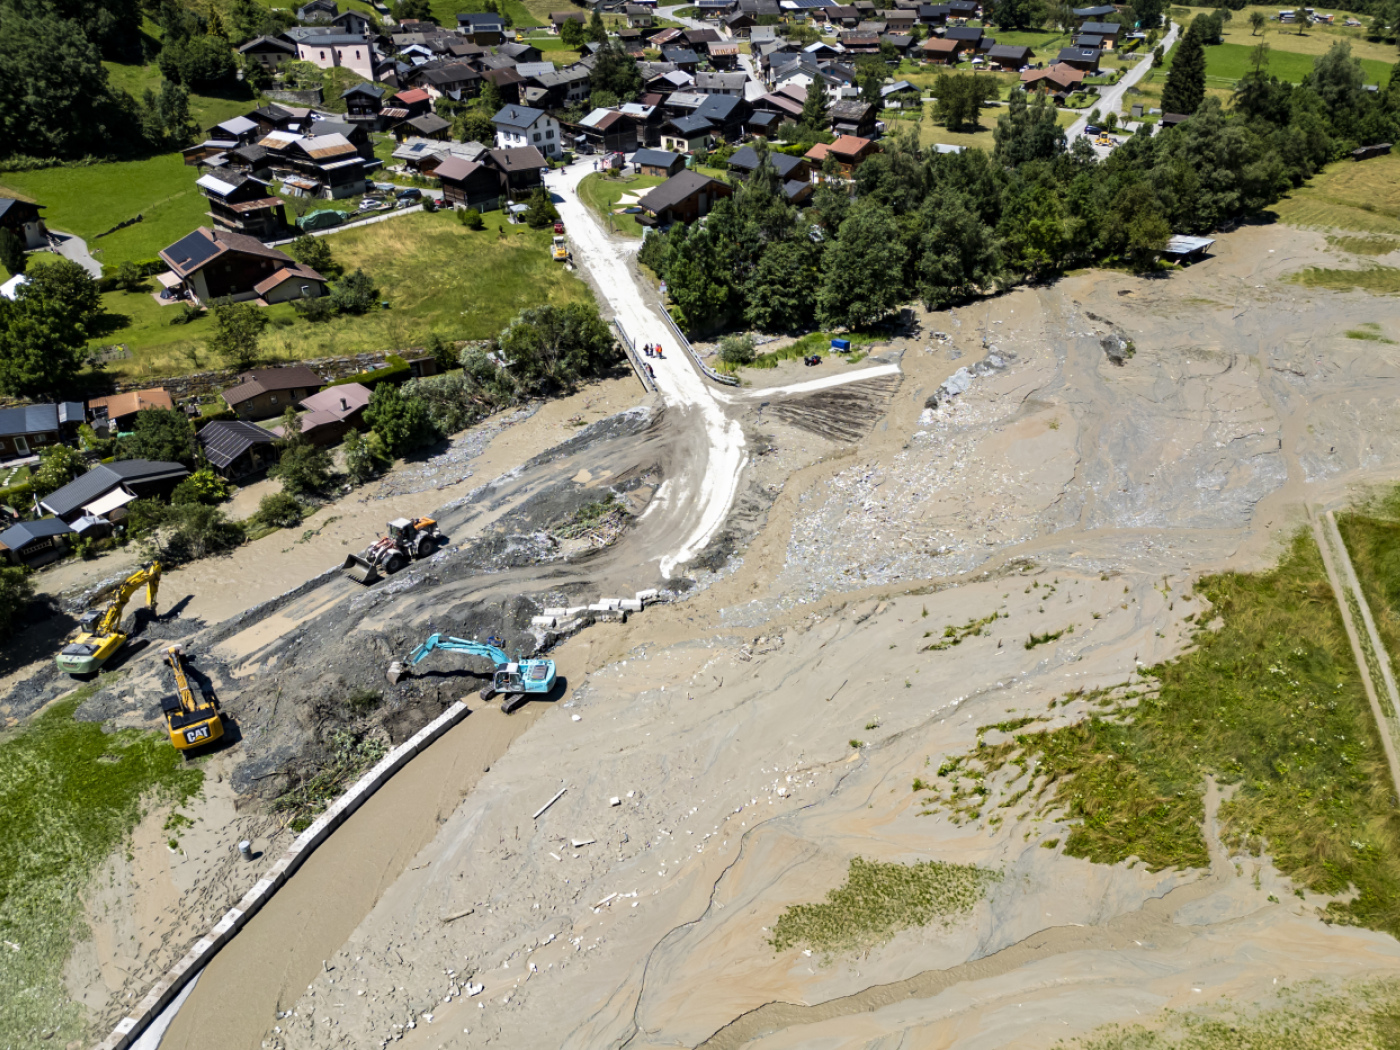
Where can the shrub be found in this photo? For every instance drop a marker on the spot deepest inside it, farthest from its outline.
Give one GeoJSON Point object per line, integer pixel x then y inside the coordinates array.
{"type": "Point", "coordinates": [197, 531]}
{"type": "Point", "coordinates": [185, 313]}
{"type": "Point", "coordinates": [58, 465]}
{"type": "Point", "coordinates": [395, 370]}
{"type": "Point", "coordinates": [736, 349]}
{"type": "Point", "coordinates": [16, 589]}
{"type": "Point", "coordinates": [302, 468]}
{"type": "Point", "coordinates": [278, 510]}
{"type": "Point", "coordinates": [471, 219]}
{"type": "Point", "coordinates": [315, 310]}
{"type": "Point", "coordinates": [314, 252]}
{"type": "Point", "coordinates": [203, 486]}
{"type": "Point", "coordinates": [401, 422]}
{"type": "Point", "coordinates": [359, 459]}
{"type": "Point", "coordinates": [355, 294]}
{"type": "Point", "coordinates": [160, 434]}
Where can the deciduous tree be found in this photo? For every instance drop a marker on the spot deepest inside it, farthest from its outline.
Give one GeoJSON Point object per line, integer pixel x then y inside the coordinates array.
{"type": "Point", "coordinates": [45, 329]}
{"type": "Point", "coordinates": [238, 329]}
{"type": "Point", "coordinates": [161, 434]}
{"type": "Point", "coordinates": [859, 283]}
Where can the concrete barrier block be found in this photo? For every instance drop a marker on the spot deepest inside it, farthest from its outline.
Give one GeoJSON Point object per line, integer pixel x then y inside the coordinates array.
{"type": "Point", "coordinates": [556, 612]}
{"type": "Point", "coordinates": [576, 610]}
{"type": "Point", "coordinates": [609, 603]}
{"type": "Point", "coordinates": [226, 927]}
{"type": "Point", "coordinates": [543, 621]}
{"type": "Point", "coordinates": [630, 605]}
{"type": "Point", "coordinates": [648, 595]}
{"type": "Point", "coordinates": [115, 1041]}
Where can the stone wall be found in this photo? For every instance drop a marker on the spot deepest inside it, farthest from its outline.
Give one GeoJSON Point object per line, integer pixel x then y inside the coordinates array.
{"type": "Point", "coordinates": [300, 97]}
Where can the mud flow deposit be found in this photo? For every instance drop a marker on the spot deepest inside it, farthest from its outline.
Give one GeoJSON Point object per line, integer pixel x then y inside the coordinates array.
{"type": "Point", "coordinates": [1002, 685]}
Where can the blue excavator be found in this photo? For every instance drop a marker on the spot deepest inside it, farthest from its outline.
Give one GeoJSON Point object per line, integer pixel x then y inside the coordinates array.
{"type": "Point", "coordinates": [515, 680]}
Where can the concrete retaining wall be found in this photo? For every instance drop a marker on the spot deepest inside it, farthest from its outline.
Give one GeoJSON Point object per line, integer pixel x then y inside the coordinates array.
{"type": "Point", "coordinates": [169, 986]}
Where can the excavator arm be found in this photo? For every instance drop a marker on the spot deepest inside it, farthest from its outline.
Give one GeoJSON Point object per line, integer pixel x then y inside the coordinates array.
{"type": "Point", "coordinates": [149, 577]}
{"type": "Point", "coordinates": [453, 645]}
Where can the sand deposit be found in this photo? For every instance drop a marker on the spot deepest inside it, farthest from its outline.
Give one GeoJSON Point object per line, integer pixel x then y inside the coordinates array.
{"type": "Point", "coordinates": [726, 754]}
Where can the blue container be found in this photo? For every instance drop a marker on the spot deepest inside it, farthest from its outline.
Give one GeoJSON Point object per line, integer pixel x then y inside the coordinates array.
{"type": "Point", "coordinates": [843, 345]}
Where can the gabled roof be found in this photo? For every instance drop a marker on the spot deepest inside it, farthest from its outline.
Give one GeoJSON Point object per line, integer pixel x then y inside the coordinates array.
{"type": "Point", "coordinates": [267, 43]}
{"type": "Point", "coordinates": [937, 45]}
{"type": "Point", "coordinates": [850, 109]}
{"type": "Point", "coordinates": [746, 159]}
{"type": "Point", "coordinates": [368, 90]}
{"type": "Point", "coordinates": [517, 116]}
{"type": "Point", "coordinates": [1100, 28]}
{"type": "Point", "coordinates": [17, 537]}
{"type": "Point", "coordinates": [1078, 54]}
{"type": "Point", "coordinates": [680, 55]}
{"type": "Point", "coordinates": [521, 158]}
{"type": "Point", "coordinates": [1015, 52]}
{"type": "Point", "coordinates": [28, 419]}
{"type": "Point", "coordinates": [296, 272]}
{"type": "Point", "coordinates": [690, 126]}
{"type": "Point", "coordinates": [719, 108]}
{"type": "Point", "coordinates": [118, 405]}
{"type": "Point", "coordinates": [270, 380]}
{"type": "Point", "coordinates": [973, 33]}
{"type": "Point", "coordinates": [339, 400]}
{"type": "Point", "coordinates": [676, 189]}
{"type": "Point", "coordinates": [224, 440]}
{"type": "Point", "coordinates": [102, 479]}
{"type": "Point", "coordinates": [456, 169]}
{"type": "Point", "coordinates": [655, 158]}
{"type": "Point", "coordinates": [196, 250]}
{"type": "Point", "coordinates": [412, 96]}
{"type": "Point", "coordinates": [428, 124]}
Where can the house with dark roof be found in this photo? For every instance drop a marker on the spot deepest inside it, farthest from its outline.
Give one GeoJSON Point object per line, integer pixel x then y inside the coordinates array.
{"type": "Point", "coordinates": [428, 126]}
{"type": "Point", "coordinates": [683, 58]}
{"type": "Point", "coordinates": [240, 203]}
{"type": "Point", "coordinates": [1010, 57]}
{"type": "Point", "coordinates": [363, 105]}
{"type": "Point", "coordinates": [236, 449]}
{"type": "Point", "coordinates": [968, 38]}
{"type": "Point", "coordinates": [686, 134]}
{"type": "Point", "coordinates": [471, 183]}
{"type": "Point", "coordinates": [789, 168]}
{"type": "Point", "coordinates": [35, 543]}
{"type": "Point", "coordinates": [851, 116]}
{"type": "Point", "coordinates": [355, 22]}
{"type": "Point", "coordinates": [932, 14]}
{"type": "Point", "coordinates": [658, 163]}
{"type": "Point", "coordinates": [683, 198]}
{"type": "Point", "coordinates": [27, 429]}
{"type": "Point", "coordinates": [107, 487]}
{"type": "Point", "coordinates": [1107, 32]}
{"type": "Point", "coordinates": [609, 131]}
{"type": "Point", "coordinates": [214, 264]}
{"type": "Point", "coordinates": [270, 52]}
{"type": "Point", "coordinates": [1085, 58]}
{"type": "Point", "coordinates": [22, 218]}
{"type": "Point", "coordinates": [725, 114]}
{"type": "Point", "coordinates": [521, 126]}
{"type": "Point", "coordinates": [265, 392]}
{"type": "Point", "coordinates": [482, 27]}
{"type": "Point", "coordinates": [1089, 14]}
{"type": "Point", "coordinates": [318, 11]}
{"type": "Point", "coordinates": [520, 167]}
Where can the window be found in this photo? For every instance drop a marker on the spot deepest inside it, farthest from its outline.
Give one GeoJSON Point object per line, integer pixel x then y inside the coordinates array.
{"type": "Point", "coordinates": [537, 136]}
{"type": "Point", "coordinates": [274, 399]}
{"type": "Point", "coordinates": [549, 134]}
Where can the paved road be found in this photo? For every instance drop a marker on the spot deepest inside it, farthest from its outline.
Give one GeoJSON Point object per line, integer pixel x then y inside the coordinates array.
{"type": "Point", "coordinates": [1111, 99]}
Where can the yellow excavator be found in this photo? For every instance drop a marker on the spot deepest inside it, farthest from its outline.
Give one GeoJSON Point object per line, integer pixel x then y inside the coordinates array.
{"type": "Point", "coordinates": [100, 636]}
{"type": "Point", "coordinates": [190, 724]}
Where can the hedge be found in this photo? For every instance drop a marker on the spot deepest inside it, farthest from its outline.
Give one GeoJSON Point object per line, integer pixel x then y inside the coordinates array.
{"type": "Point", "coordinates": [20, 496]}
{"type": "Point", "coordinates": [396, 371]}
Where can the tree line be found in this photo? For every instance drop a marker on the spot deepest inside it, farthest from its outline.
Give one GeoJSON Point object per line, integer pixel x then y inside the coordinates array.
{"type": "Point", "coordinates": [944, 227]}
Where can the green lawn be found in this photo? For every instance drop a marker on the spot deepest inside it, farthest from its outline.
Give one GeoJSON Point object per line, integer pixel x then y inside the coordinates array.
{"type": "Point", "coordinates": [90, 200]}
{"type": "Point", "coordinates": [602, 194]}
{"type": "Point", "coordinates": [436, 275]}
{"type": "Point", "coordinates": [1230, 62]}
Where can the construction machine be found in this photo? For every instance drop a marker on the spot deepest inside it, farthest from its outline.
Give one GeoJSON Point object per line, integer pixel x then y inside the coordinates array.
{"type": "Point", "coordinates": [191, 724]}
{"type": "Point", "coordinates": [100, 636]}
{"type": "Point", "coordinates": [1104, 140]}
{"type": "Point", "coordinates": [560, 249]}
{"type": "Point", "coordinates": [517, 680]}
{"type": "Point", "coordinates": [408, 539]}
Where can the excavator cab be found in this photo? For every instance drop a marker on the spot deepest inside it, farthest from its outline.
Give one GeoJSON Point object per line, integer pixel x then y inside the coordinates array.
{"type": "Point", "coordinates": [191, 723]}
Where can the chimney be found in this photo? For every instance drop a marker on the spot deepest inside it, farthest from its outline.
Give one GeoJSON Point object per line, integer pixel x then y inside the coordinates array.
{"type": "Point", "coordinates": [344, 405]}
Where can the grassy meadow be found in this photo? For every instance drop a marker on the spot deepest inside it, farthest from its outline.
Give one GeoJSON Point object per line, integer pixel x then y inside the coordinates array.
{"type": "Point", "coordinates": [436, 275]}
{"type": "Point", "coordinates": [71, 794]}
{"type": "Point", "coordinates": [1272, 701]}
{"type": "Point", "coordinates": [1363, 197]}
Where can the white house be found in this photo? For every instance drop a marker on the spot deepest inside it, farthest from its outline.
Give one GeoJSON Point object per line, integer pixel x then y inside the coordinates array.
{"type": "Point", "coordinates": [339, 49]}
{"type": "Point", "coordinates": [522, 126]}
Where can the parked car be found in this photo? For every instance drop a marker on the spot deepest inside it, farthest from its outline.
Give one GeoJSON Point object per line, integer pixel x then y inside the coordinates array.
{"type": "Point", "coordinates": [371, 204]}
{"type": "Point", "coordinates": [1092, 129]}
{"type": "Point", "coordinates": [410, 194]}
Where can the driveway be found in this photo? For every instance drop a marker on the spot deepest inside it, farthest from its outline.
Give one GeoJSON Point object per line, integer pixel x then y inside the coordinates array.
{"type": "Point", "coordinates": [75, 249]}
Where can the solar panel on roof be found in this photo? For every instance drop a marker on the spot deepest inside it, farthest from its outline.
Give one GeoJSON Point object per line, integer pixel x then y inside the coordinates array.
{"type": "Point", "coordinates": [192, 249]}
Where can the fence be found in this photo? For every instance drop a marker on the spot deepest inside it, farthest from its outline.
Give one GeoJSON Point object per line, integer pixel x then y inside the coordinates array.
{"type": "Point", "coordinates": [638, 365]}
{"type": "Point", "coordinates": [705, 370]}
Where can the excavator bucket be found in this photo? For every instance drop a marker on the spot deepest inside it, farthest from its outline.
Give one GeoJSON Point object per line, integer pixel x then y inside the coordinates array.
{"type": "Point", "coordinates": [359, 570]}
{"type": "Point", "coordinates": [396, 671]}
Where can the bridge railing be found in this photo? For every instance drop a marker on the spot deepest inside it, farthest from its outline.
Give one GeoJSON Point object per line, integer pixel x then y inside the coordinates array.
{"type": "Point", "coordinates": [705, 370]}
{"type": "Point", "coordinates": [638, 365]}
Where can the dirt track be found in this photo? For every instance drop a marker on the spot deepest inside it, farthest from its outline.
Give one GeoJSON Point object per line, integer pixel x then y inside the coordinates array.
{"type": "Point", "coordinates": [860, 519]}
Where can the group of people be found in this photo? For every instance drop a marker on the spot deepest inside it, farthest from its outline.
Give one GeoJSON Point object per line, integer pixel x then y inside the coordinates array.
{"type": "Point", "coordinates": [653, 350]}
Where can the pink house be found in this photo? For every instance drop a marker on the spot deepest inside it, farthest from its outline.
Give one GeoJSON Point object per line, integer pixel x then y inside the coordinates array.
{"type": "Point", "coordinates": [339, 49]}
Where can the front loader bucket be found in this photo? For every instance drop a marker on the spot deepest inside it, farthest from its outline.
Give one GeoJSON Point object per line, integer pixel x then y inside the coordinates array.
{"type": "Point", "coordinates": [359, 570]}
